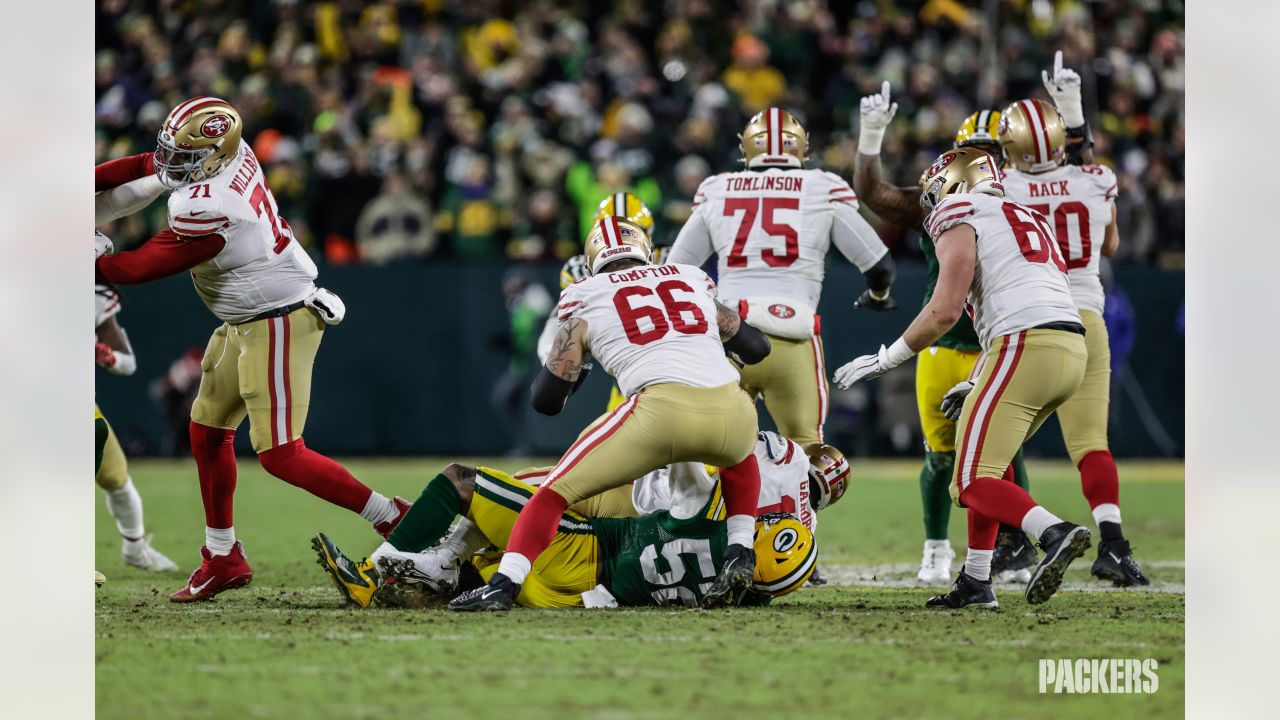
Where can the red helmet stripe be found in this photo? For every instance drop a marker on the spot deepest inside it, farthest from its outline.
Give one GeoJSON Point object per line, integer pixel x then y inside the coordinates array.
{"type": "Point", "coordinates": [1038, 134]}
{"type": "Point", "coordinates": [182, 112]}
{"type": "Point", "coordinates": [1044, 130]}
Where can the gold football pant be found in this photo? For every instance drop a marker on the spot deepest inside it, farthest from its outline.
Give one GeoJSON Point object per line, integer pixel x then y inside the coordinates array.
{"type": "Point", "coordinates": [1025, 377]}
{"type": "Point", "coordinates": [938, 369]}
{"type": "Point", "coordinates": [263, 369]}
{"type": "Point", "coordinates": [113, 471]}
{"type": "Point", "coordinates": [565, 570]}
{"type": "Point", "coordinates": [793, 382]}
{"type": "Point", "coordinates": [1084, 417]}
{"type": "Point", "coordinates": [615, 503]}
{"type": "Point", "coordinates": [657, 426]}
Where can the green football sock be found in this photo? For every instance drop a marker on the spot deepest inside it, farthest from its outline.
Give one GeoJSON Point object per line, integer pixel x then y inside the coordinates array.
{"type": "Point", "coordinates": [935, 494]}
{"type": "Point", "coordinates": [428, 520]}
{"type": "Point", "coordinates": [1020, 472]}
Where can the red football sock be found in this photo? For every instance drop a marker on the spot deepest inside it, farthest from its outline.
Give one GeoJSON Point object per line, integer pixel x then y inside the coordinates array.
{"type": "Point", "coordinates": [999, 500]}
{"type": "Point", "coordinates": [1099, 479]}
{"type": "Point", "coordinates": [982, 531]}
{"type": "Point", "coordinates": [536, 524]}
{"type": "Point", "coordinates": [740, 485]}
{"type": "Point", "coordinates": [300, 466]}
{"type": "Point", "coordinates": [216, 466]}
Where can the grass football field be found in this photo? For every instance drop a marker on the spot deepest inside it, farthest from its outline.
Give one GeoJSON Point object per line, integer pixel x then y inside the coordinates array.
{"type": "Point", "coordinates": [864, 646]}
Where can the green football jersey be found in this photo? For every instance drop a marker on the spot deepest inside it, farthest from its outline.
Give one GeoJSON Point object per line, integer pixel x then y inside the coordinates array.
{"type": "Point", "coordinates": [659, 560]}
{"type": "Point", "coordinates": [961, 336]}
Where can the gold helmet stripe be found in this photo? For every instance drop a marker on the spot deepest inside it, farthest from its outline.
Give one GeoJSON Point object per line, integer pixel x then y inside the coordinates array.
{"type": "Point", "coordinates": [1038, 129]}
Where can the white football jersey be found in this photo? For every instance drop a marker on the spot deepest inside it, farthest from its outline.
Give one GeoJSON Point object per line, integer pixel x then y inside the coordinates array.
{"type": "Point", "coordinates": [262, 266]}
{"type": "Point", "coordinates": [1078, 202]}
{"type": "Point", "coordinates": [772, 229]}
{"type": "Point", "coordinates": [106, 304]}
{"type": "Point", "coordinates": [1020, 280]}
{"type": "Point", "coordinates": [685, 488]}
{"type": "Point", "coordinates": [651, 324]}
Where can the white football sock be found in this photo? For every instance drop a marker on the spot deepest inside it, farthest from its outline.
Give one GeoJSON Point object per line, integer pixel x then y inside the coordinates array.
{"type": "Point", "coordinates": [383, 549]}
{"type": "Point", "coordinates": [741, 529]}
{"type": "Point", "coordinates": [125, 505]}
{"type": "Point", "coordinates": [219, 540]}
{"type": "Point", "coordinates": [1037, 520]}
{"type": "Point", "coordinates": [977, 564]}
{"type": "Point", "coordinates": [515, 566]}
{"type": "Point", "coordinates": [380, 508]}
{"type": "Point", "coordinates": [464, 538]}
{"type": "Point", "coordinates": [1106, 512]}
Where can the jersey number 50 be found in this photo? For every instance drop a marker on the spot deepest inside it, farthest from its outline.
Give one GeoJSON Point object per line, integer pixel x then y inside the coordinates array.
{"type": "Point", "coordinates": [671, 316]}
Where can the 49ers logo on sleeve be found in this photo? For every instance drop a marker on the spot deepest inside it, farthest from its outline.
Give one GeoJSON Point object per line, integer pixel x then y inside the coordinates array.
{"type": "Point", "coordinates": [779, 310]}
{"type": "Point", "coordinates": [216, 126]}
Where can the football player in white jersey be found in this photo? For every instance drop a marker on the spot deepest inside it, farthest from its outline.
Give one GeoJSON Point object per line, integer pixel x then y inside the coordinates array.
{"type": "Point", "coordinates": [658, 330]}
{"type": "Point", "coordinates": [225, 229]}
{"type": "Point", "coordinates": [771, 225]}
{"type": "Point", "coordinates": [1000, 260]}
{"type": "Point", "coordinates": [1079, 201]}
{"type": "Point", "coordinates": [113, 353]}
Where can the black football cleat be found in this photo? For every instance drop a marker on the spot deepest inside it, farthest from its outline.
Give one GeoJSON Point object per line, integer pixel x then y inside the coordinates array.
{"type": "Point", "coordinates": [735, 578]}
{"type": "Point", "coordinates": [1061, 543]}
{"type": "Point", "coordinates": [966, 592]}
{"type": "Point", "coordinates": [1013, 551]}
{"type": "Point", "coordinates": [499, 594]}
{"type": "Point", "coordinates": [1115, 563]}
{"type": "Point", "coordinates": [817, 578]}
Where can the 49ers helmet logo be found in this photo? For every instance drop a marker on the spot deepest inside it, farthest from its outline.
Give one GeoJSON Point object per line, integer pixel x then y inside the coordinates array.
{"type": "Point", "coordinates": [940, 164]}
{"type": "Point", "coordinates": [782, 311]}
{"type": "Point", "coordinates": [216, 126]}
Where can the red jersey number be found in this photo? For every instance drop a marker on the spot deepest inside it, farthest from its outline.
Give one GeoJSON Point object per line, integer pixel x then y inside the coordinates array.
{"type": "Point", "coordinates": [671, 316]}
{"type": "Point", "coordinates": [765, 208]}
{"type": "Point", "coordinates": [1062, 215]}
{"type": "Point", "coordinates": [262, 199]}
{"type": "Point", "coordinates": [1035, 237]}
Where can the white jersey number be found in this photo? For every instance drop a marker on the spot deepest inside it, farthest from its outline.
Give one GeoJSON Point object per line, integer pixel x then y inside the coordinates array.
{"type": "Point", "coordinates": [672, 553]}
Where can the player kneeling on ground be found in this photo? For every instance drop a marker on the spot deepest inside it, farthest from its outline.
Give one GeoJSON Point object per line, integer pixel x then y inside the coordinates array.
{"type": "Point", "coordinates": [668, 557]}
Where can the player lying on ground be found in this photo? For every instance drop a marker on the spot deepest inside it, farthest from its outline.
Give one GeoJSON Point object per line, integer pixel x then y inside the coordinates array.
{"type": "Point", "coordinates": [794, 479]}
{"type": "Point", "coordinates": [225, 229]}
{"type": "Point", "coordinates": [1000, 260]}
{"type": "Point", "coordinates": [668, 557]}
{"type": "Point", "coordinates": [660, 332]}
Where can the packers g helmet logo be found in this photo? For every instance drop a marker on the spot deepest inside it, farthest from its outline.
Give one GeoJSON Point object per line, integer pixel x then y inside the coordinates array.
{"type": "Point", "coordinates": [216, 126]}
{"type": "Point", "coordinates": [785, 539]}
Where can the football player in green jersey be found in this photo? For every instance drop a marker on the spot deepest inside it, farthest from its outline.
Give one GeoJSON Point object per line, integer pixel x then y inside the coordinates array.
{"type": "Point", "coordinates": [661, 558]}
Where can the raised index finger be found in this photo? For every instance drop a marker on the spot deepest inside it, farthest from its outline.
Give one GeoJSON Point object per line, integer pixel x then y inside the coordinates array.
{"type": "Point", "coordinates": [1057, 63]}
{"type": "Point", "coordinates": [884, 91]}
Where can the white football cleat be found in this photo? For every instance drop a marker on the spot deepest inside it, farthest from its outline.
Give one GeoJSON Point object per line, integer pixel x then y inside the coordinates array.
{"type": "Point", "coordinates": [1021, 575]}
{"type": "Point", "coordinates": [436, 569]}
{"type": "Point", "coordinates": [935, 564]}
{"type": "Point", "coordinates": [140, 554]}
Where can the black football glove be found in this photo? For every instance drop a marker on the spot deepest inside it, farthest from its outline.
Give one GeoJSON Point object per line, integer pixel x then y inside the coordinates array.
{"type": "Point", "coordinates": [865, 300]}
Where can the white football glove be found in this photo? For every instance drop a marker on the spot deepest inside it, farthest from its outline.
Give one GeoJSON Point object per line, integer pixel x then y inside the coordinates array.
{"type": "Point", "coordinates": [867, 367]}
{"type": "Point", "coordinates": [1064, 88]}
{"type": "Point", "coordinates": [953, 401]}
{"type": "Point", "coordinates": [327, 305]}
{"type": "Point", "coordinates": [877, 112]}
{"type": "Point", "coordinates": [102, 245]}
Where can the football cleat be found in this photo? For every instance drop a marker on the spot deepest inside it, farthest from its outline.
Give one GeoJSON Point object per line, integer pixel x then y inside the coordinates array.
{"type": "Point", "coordinates": [817, 579]}
{"type": "Point", "coordinates": [1115, 563]}
{"type": "Point", "coordinates": [217, 573]}
{"type": "Point", "coordinates": [98, 579]}
{"type": "Point", "coordinates": [386, 527]}
{"type": "Point", "coordinates": [437, 570]}
{"type": "Point", "coordinates": [935, 563]}
{"type": "Point", "coordinates": [498, 594]}
{"type": "Point", "coordinates": [735, 578]}
{"type": "Point", "coordinates": [1014, 555]}
{"type": "Point", "coordinates": [140, 554]}
{"type": "Point", "coordinates": [357, 581]}
{"type": "Point", "coordinates": [1062, 543]}
{"type": "Point", "coordinates": [966, 592]}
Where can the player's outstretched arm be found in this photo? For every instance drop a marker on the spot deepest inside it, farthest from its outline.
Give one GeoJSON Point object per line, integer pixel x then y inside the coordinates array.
{"type": "Point", "coordinates": [564, 368]}
{"type": "Point", "coordinates": [739, 338]}
{"type": "Point", "coordinates": [168, 253]}
{"type": "Point", "coordinates": [112, 350]}
{"type": "Point", "coordinates": [899, 206]}
{"type": "Point", "coordinates": [1111, 239]}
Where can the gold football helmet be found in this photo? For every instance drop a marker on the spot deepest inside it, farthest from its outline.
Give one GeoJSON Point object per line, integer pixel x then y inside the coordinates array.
{"type": "Point", "coordinates": [1033, 135]}
{"type": "Point", "coordinates": [786, 554]}
{"type": "Point", "coordinates": [829, 474]}
{"type": "Point", "coordinates": [629, 208]}
{"type": "Point", "coordinates": [774, 138]}
{"type": "Point", "coordinates": [962, 170]}
{"type": "Point", "coordinates": [981, 130]}
{"type": "Point", "coordinates": [613, 239]}
{"type": "Point", "coordinates": [199, 138]}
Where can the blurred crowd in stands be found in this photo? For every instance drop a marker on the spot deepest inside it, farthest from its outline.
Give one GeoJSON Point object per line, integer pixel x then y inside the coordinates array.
{"type": "Point", "coordinates": [488, 130]}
